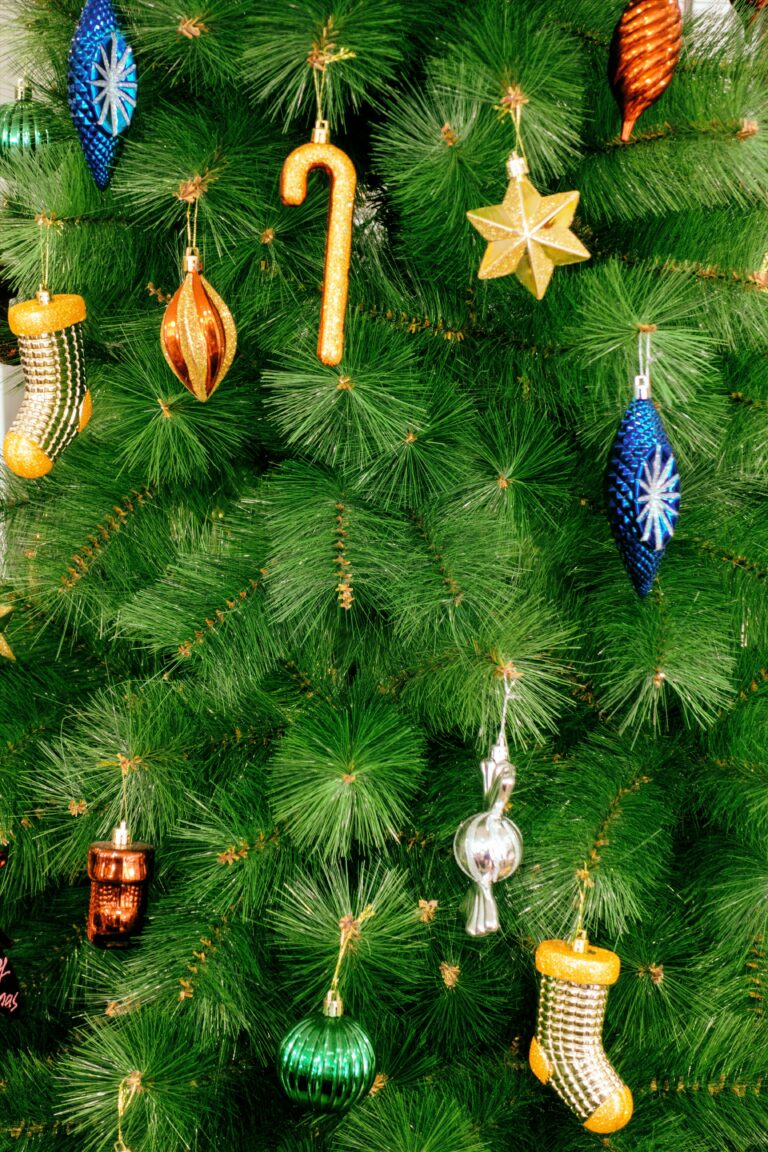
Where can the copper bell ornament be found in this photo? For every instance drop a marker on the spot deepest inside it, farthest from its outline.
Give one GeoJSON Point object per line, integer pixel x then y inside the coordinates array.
{"type": "Point", "coordinates": [119, 871]}
{"type": "Point", "coordinates": [198, 335]}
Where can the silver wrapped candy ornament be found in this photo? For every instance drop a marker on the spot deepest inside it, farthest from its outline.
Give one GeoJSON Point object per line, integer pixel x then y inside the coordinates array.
{"type": "Point", "coordinates": [488, 846]}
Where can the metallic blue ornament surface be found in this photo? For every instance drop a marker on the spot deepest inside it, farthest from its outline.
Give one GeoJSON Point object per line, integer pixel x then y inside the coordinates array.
{"type": "Point", "coordinates": [643, 489]}
{"type": "Point", "coordinates": [102, 86]}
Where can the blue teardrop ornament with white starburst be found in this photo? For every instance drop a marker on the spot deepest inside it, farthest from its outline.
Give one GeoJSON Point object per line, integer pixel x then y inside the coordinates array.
{"type": "Point", "coordinates": [643, 489]}
{"type": "Point", "coordinates": [102, 86]}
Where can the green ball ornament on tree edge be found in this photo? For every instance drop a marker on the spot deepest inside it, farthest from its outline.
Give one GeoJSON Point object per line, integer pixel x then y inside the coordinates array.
{"type": "Point", "coordinates": [23, 124]}
{"type": "Point", "coordinates": [327, 1061]}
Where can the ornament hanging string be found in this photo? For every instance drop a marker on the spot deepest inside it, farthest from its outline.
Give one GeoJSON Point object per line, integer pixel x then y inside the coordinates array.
{"type": "Point", "coordinates": [129, 1086]}
{"type": "Point", "coordinates": [124, 769]}
{"type": "Point", "coordinates": [350, 932]}
{"type": "Point", "coordinates": [644, 354]}
{"type": "Point", "coordinates": [508, 695]}
{"type": "Point", "coordinates": [322, 54]}
{"type": "Point", "coordinates": [192, 224]}
{"type": "Point", "coordinates": [512, 104]}
{"type": "Point", "coordinates": [580, 936]}
{"type": "Point", "coordinates": [517, 121]}
{"type": "Point", "coordinates": [45, 223]}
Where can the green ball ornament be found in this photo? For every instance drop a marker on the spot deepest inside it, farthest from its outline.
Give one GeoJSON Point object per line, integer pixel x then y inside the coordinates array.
{"type": "Point", "coordinates": [327, 1061]}
{"type": "Point", "coordinates": [23, 125]}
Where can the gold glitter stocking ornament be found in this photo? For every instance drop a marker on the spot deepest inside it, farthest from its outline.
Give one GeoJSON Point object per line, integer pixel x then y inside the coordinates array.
{"type": "Point", "coordinates": [57, 403]}
{"type": "Point", "coordinates": [567, 1050]}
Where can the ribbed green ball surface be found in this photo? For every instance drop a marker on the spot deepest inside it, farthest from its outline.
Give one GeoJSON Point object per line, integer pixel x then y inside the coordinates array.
{"type": "Point", "coordinates": [22, 127]}
{"type": "Point", "coordinates": [327, 1063]}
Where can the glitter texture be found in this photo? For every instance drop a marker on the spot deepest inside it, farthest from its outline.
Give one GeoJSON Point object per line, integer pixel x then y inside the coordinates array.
{"type": "Point", "coordinates": [528, 234]}
{"type": "Point", "coordinates": [198, 336]}
{"type": "Point", "coordinates": [338, 245]}
{"type": "Point", "coordinates": [643, 493]}
{"type": "Point", "coordinates": [102, 86]}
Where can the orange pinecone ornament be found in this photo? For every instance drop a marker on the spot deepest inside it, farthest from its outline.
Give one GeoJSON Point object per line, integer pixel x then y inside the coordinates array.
{"type": "Point", "coordinates": [755, 5]}
{"type": "Point", "coordinates": [644, 53]}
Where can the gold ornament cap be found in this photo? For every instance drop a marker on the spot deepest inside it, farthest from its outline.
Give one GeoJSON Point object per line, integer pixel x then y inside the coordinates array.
{"type": "Point", "coordinates": [192, 260]}
{"type": "Point", "coordinates": [45, 314]}
{"type": "Point", "coordinates": [558, 958]}
{"type": "Point", "coordinates": [321, 133]}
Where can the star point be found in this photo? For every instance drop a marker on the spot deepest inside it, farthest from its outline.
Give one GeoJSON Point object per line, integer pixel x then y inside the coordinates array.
{"type": "Point", "coordinates": [528, 234]}
{"type": "Point", "coordinates": [5, 649]}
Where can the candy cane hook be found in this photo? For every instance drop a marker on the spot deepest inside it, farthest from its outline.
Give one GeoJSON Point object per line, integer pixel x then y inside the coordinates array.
{"type": "Point", "coordinates": [293, 189]}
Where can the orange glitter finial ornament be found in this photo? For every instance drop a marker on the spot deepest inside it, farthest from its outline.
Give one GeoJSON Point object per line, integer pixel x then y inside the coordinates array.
{"type": "Point", "coordinates": [198, 335]}
{"type": "Point", "coordinates": [644, 53]}
{"type": "Point", "coordinates": [320, 153]}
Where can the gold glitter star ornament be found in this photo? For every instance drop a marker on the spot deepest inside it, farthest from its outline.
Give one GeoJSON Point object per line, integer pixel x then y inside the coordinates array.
{"type": "Point", "coordinates": [5, 649]}
{"type": "Point", "coordinates": [528, 234]}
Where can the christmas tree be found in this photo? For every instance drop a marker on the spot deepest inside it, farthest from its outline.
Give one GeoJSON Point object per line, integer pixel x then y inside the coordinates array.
{"type": "Point", "coordinates": [271, 610]}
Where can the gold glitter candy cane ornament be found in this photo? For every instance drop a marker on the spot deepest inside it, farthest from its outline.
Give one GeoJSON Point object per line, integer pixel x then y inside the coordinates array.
{"type": "Point", "coordinates": [320, 153]}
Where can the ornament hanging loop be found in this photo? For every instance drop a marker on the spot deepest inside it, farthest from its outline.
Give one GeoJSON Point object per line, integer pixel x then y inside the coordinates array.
{"type": "Point", "coordinates": [511, 104]}
{"type": "Point", "coordinates": [129, 1086]}
{"type": "Point", "coordinates": [645, 359]}
{"type": "Point", "coordinates": [349, 926]}
{"type": "Point", "coordinates": [580, 940]}
{"type": "Point", "coordinates": [45, 223]}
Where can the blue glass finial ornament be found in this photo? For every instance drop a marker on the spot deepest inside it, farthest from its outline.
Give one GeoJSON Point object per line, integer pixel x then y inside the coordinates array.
{"type": "Point", "coordinates": [643, 489]}
{"type": "Point", "coordinates": [102, 86]}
